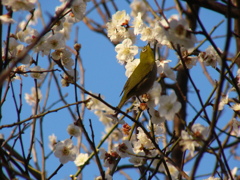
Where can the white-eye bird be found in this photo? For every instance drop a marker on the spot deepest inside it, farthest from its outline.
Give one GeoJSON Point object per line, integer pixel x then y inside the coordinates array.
{"type": "Point", "coordinates": [142, 78]}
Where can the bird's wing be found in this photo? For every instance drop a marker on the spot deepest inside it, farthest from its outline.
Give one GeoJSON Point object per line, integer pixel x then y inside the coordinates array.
{"type": "Point", "coordinates": [137, 76]}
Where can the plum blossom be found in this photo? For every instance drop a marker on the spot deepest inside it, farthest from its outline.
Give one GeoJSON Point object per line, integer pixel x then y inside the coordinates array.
{"type": "Point", "coordinates": [138, 7]}
{"type": "Point", "coordinates": [6, 19]}
{"type": "Point", "coordinates": [138, 24]}
{"type": "Point", "coordinates": [79, 9]}
{"type": "Point", "coordinates": [73, 130]}
{"type": "Point", "coordinates": [136, 160]}
{"type": "Point", "coordinates": [69, 77]}
{"type": "Point", "coordinates": [64, 56]}
{"type": "Point", "coordinates": [143, 139]}
{"type": "Point", "coordinates": [164, 68]}
{"type": "Point", "coordinates": [236, 107]}
{"type": "Point", "coordinates": [55, 41]}
{"type": "Point", "coordinates": [126, 51]}
{"type": "Point", "coordinates": [210, 57]}
{"type": "Point", "coordinates": [20, 50]}
{"type": "Point", "coordinates": [131, 66]}
{"type": "Point", "coordinates": [37, 72]}
{"type": "Point", "coordinates": [188, 142]}
{"type": "Point", "coordinates": [108, 158]}
{"type": "Point", "coordinates": [17, 5]}
{"type": "Point", "coordinates": [154, 94]}
{"type": "Point", "coordinates": [189, 61]}
{"type": "Point", "coordinates": [200, 131]}
{"type": "Point", "coordinates": [179, 32]}
{"type": "Point", "coordinates": [155, 116]}
{"type": "Point", "coordinates": [31, 99]}
{"type": "Point", "coordinates": [191, 141]}
{"type": "Point", "coordinates": [147, 34]}
{"type": "Point", "coordinates": [124, 149]}
{"type": "Point", "coordinates": [28, 35]}
{"type": "Point", "coordinates": [116, 28]}
{"type": "Point", "coordinates": [65, 151]}
{"type": "Point", "coordinates": [169, 106]}
{"type": "Point", "coordinates": [52, 141]}
{"type": "Point", "coordinates": [81, 159]}
{"type": "Point", "coordinates": [236, 127]}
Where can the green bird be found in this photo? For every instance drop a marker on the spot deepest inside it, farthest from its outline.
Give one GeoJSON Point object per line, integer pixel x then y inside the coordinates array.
{"type": "Point", "coordinates": [142, 77]}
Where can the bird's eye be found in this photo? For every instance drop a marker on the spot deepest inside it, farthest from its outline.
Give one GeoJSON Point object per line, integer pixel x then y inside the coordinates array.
{"type": "Point", "coordinates": [144, 49]}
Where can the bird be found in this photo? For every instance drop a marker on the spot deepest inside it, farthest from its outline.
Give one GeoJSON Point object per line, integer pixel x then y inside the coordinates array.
{"type": "Point", "coordinates": [142, 78]}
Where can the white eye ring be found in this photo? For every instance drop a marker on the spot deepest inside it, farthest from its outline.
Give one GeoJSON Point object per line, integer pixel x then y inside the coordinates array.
{"type": "Point", "coordinates": [144, 49]}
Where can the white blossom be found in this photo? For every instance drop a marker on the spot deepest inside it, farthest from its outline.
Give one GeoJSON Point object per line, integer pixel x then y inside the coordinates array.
{"type": "Point", "coordinates": [55, 41]}
{"type": "Point", "coordinates": [28, 35]}
{"type": "Point", "coordinates": [137, 161]}
{"type": "Point", "coordinates": [52, 141]}
{"type": "Point", "coordinates": [189, 61]}
{"type": "Point", "coordinates": [20, 50]}
{"type": "Point", "coordinates": [143, 139]}
{"type": "Point", "coordinates": [188, 142]}
{"type": "Point", "coordinates": [37, 72]}
{"type": "Point", "coordinates": [126, 51]}
{"type": "Point", "coordinates": [164, 68]}
{"type": "Point", "coordinates": [6, 19]}
{"type": "Point", "coordinates": [223, 102]}
{"type": "Point", "coordinates": [169, 106]}
{"type": "Point", "coordinates": [124, 149]}
{"type": "Point", "coordinates": [108, 158]}
{"type": "Point", "coordinates": [65, 151]}
{"type": "Point", "coordinates": [210, 57]}
{"type": "Point", "coordinates": [18, 5]}
{"type": "Point", "coordinates": [147, 34]}
{"type": "Point", "coordinates": [120, 17]}
{"type": "Point", "coordinates": [116, 28]}
{"type": "Point", "coordinates": [31, 99]}
{"type": "Point", "coordinates": [179, 32]}
{"type": "Point", "coordinates": [154, 94]}
{"type": "Point", "coordinates": [131, 66]}
{"type": "Point", "coordinates": [73, 130]}
{"type": "Point", "coordinates": [79, 9]}
{"type": "Point", "coordinates": [138, 7]}
{"type": "Point", "coordinates": [81, 159]}
{"type": "Point", "coordinates": [158, 129]}
{"type": "Point", "coordinates": [200, 131]}
{"type": "Point", "coordinates": [155, 116]}
{"type": "Point", "coordinates": [236, 107]}
{"type": "Point", "coordinates": [236, 127]}
{"type": "Point", "coordinates": [138, 24]}
{"type": "Point", "coordinates": [69, 77]}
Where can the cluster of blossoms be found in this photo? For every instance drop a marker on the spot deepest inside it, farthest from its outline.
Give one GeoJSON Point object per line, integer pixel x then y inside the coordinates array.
{"type": "Point", "coordinates": [53, 41]}
{"type": "Point", "coordinates": [173, 32]}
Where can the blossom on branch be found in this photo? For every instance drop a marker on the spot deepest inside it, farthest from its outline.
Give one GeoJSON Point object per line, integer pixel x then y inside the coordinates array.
{"type": "Point", "coordinates": [65, 151]}
{"type": "Point", "coordinates": [73, 130]}
{"type": "Point", "coordinates": [169, 106]}
{"type": "Point", "coordinates": [31, 99]}
{"type": "Point", "coordinates": [81, 159]}
{"type": "Point", "coordinates": [126, 51]}
{"type": "Point", "coordinates": [210, 57]}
